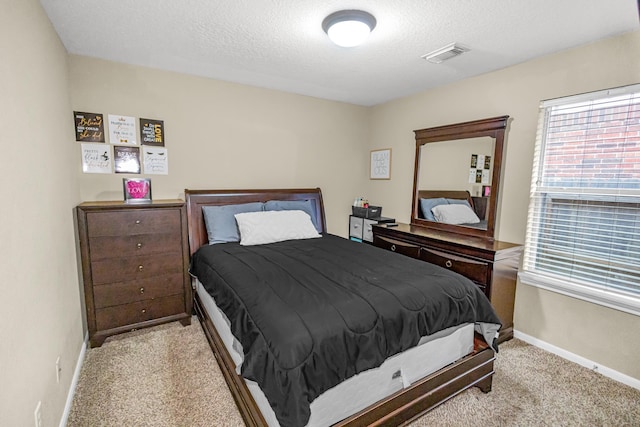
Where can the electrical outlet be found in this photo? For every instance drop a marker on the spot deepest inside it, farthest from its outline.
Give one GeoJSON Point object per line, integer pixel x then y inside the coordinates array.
{"type": "Point", "coordinates": [38, 414]}
{"type": "Point", "coordinates": [58, 369]}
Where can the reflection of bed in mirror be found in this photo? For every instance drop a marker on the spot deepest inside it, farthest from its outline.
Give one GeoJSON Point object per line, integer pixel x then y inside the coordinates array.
{"type": "Point", "coordinates": [429, 199]}
{"type": "Point", "coordinates": [398, 390]}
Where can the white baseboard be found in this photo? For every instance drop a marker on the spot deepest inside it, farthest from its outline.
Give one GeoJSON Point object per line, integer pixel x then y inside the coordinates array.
{"type": "Point", "coordinates": [607, 372]}
{"type": "Point", "coordinates": [74, 381]}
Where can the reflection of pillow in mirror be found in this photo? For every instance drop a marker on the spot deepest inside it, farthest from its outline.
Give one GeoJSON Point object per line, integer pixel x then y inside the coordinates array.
{"type": "Point", "coordinates": [458, 202]}
{"type": "Point", "coordinates": [427, 204]}
{"type": "Point", "coordinates": [455, 214]}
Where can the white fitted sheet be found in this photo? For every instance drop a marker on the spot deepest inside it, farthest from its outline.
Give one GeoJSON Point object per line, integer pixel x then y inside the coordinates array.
{"type": "Point", "coordinates": [432, 353]}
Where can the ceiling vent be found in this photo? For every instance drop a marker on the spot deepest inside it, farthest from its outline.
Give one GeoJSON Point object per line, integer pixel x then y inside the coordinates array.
{"type": "Point", "coordinates": [444, 53]}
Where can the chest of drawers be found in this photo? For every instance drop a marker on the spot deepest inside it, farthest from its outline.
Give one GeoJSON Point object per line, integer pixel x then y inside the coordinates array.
{"type": "Point", "coordinates": [134, 265]}
{"type": "Point", "coordinates": [490, 264]}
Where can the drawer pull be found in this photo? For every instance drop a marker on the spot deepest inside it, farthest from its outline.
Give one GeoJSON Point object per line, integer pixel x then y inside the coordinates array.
{"type": "Point", "coordinates": [144, 310]}
{"type": "Point", "coordinates": [140, 267]}
{"type": "Point", "coordinates": [356, 225]}
{"type": "Point", "coordinates": [448, 264]}
{"type": "Point", "coordinates": [139, 245]}
{"type": "Point", "coordinates": [393, 248]}
{"type": "Point", "coordinates": [137, 221]}
{"type": "Point", "coordinates": [142, 290]}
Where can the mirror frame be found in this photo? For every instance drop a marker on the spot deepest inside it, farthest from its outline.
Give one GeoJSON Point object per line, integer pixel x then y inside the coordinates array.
{"type": "Point", "coordinates": [494, 127]}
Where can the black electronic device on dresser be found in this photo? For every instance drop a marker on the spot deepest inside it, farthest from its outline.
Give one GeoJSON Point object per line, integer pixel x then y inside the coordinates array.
{"type": "Point", "coordinates": [135, 260]}
{"type": "Point", "coordinates": [468, 249]}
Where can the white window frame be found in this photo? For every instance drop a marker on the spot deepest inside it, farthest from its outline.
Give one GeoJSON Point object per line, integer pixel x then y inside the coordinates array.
{"type": "Point", "coordinates": [590, 292]}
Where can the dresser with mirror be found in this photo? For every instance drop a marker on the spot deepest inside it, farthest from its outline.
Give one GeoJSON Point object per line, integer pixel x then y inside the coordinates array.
{"type": "Point", "coordinates": [456, 188]}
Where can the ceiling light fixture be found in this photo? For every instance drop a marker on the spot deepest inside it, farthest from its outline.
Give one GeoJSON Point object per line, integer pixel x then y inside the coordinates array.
{"type": "Point", "coordinates": [349, 28]}
{"type": "Point", "coordinates": [449, 51]}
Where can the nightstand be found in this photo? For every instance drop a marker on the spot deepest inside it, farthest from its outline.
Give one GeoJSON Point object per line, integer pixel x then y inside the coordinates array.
{"type": "Point", "coordinates": [361, 229]}
{"type": "Point", "coordinates": [134, 265]}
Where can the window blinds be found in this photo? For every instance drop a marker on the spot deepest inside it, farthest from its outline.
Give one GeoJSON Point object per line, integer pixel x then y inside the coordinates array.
{"type": "Point", "coordinates": [583, 225]}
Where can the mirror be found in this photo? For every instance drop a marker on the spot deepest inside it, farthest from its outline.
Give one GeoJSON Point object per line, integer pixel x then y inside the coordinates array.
{"type": "Point", "coordinates": [459, 164]}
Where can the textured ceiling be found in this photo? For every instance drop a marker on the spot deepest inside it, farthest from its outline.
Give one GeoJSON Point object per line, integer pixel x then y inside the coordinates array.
{"type": "Point", "coordinates": [279, 44]}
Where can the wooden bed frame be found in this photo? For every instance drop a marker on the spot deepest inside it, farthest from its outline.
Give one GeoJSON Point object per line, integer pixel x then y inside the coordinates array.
{"type": "Point", "coordinates": [476, 369]}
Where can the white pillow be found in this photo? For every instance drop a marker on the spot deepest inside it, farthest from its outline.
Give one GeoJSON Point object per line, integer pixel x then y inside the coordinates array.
{"type": "Point", "coordinates": [455, 214]}
{"type": "Point", "coordinates": [258, 228]}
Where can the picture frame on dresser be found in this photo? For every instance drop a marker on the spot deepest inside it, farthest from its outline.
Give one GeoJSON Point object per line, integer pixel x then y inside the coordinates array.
{"type": "Point", "coordinates": [134, 260]}
{"type": "Point", "coordinates": [136, 190]}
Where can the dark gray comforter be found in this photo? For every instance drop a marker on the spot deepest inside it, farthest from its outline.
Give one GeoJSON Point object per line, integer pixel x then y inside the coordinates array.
{"type": "Point", "coordinates": [311, 313]}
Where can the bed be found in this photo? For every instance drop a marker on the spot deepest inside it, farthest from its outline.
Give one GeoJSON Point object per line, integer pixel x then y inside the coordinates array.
{"type": "Point", "coordinates": [472, 366]}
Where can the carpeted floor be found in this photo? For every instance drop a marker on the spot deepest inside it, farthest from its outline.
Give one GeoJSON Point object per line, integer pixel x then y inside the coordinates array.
{"type": "Point", "coordinates": [168, 376]}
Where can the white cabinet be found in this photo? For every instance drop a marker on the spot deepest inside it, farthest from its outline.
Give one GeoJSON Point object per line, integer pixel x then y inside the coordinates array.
{"type": "Point", "coordinates": [361, 229]}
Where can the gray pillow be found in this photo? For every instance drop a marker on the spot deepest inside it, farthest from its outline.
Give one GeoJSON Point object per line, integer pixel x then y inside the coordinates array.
{"type": "Point", "coordinates": [427, 204]}
{"type": "Point", "coordinates": [293, 205]}
{"type": "Point", "coordinates": [221, 223]}
{"type": "Point", "coordinates": [458, 202]}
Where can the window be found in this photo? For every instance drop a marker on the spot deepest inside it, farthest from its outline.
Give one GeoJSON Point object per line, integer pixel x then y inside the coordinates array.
{"type": "Point", "coordinates": [583, 227]}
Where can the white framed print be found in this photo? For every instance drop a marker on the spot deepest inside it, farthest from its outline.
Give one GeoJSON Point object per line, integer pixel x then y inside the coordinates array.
{"type": "Point", "coordinates": [380, 164]}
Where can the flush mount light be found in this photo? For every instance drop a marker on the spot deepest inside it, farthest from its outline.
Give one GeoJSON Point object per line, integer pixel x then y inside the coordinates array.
{"type": "Point", "coordinates": [444, 53]}
{"type": "Point", "coordinates": [349, 28]}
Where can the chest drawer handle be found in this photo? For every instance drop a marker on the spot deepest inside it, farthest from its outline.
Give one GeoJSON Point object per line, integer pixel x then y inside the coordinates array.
{"type": "Point", "coordinates": [144, 310]}
{"type": "Point", "coordinates": [448, 264]}
{"type": "Point", "coordinates": [139, 245]}
{"type": "Point", "coordinates": [393, 248]}
{"type": "Point", "coordinates": [137, 221]}
{"type": "Point", "coordinates": [140, 267]}
{"type": "Point", "coordinates": [142, 290]}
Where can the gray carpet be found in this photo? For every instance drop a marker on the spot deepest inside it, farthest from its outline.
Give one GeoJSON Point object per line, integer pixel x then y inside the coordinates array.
{"type": "Point", "coordinates": [168, 376]}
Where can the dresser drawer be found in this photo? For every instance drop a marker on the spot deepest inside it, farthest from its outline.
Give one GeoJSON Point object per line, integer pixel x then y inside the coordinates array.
{"type": "Point", "coordinates": [475, 270]}
{"type": "Point", "coordinates": [137, 290]}
{"type": "Point", "coordinates": [129, 314]}
{"type": "Point", "coordinates": [392, 245]}
{"type": "Point", "coordinates": [141, 244]}
{"type": "Point", "coordinates": [133, 221]}
{"type": "Point", "coordinates": [113, 270]}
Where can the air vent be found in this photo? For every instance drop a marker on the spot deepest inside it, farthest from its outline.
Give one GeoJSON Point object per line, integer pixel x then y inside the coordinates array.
{"type": "Point", "coordinates": [444, 53]}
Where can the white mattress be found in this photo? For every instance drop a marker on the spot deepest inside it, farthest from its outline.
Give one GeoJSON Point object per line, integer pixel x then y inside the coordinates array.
{"type": "Point", "coordinates": [432, 353]}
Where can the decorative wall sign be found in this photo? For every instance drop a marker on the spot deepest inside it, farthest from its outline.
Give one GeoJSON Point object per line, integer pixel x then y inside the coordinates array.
{"type": "Point", "coordinates": [152, 132]}
{"type": "Point", "coordinates": [136, 190]}
{"type": "Point", "coordinates": [89, 127]}
{"type": "Point", "coordinates": [96, 158]}
{"type": "Point", "coordinates": [127, 159]}
{"type": "Point", "coordinates": [480, 168]}
{"type": "Point", "coordinates": [155, 160]}
{"type": "Point", "coordinates": [122, 130]}
{"type": "Point", "coordinates": [380, 164]}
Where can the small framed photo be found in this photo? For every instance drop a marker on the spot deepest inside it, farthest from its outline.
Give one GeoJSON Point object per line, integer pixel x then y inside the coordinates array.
{"type": "Point", "coordinates": [380, 164]}
{"type": "Point", "coordinates": [486, 191]}
{"type": "Point", "coordinates": [136, 190]}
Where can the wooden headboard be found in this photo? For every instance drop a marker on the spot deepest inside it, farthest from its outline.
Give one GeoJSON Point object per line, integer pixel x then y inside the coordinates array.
{"type": "Point", "coordinates": [196, 199]}
{"type": "Point", "coordinates": [447, 194]}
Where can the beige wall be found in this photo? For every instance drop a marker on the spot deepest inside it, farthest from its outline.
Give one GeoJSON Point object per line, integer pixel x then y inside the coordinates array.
{"type": "Point", "coordinates": [597, 333]}
{"type": "Point", "coordinates": [39, 299]}
{"type": "Point", "coordinates": [225, 135]}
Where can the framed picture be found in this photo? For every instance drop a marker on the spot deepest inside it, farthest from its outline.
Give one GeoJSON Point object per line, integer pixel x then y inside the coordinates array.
{"type": "Point", "coordinates": [380, 164]}
{"type": "Point", "coordinates": [136, 190]}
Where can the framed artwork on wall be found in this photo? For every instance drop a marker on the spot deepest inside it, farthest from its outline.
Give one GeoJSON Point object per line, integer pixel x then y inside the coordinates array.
{"type": "Point", "coordinates": [380, 164]}
{"type": "Point", "coordinates": [136, 190]}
